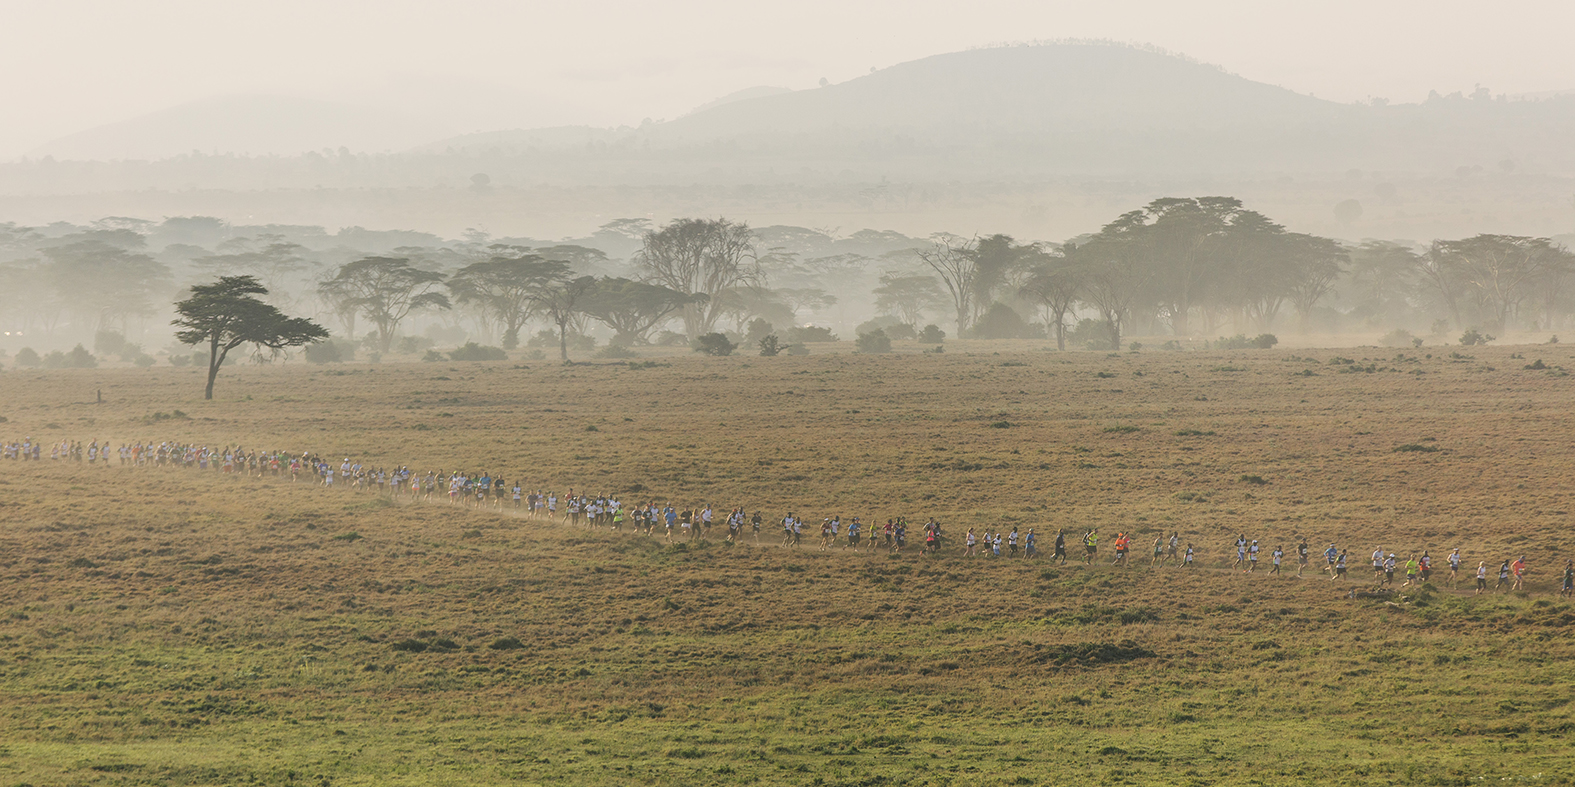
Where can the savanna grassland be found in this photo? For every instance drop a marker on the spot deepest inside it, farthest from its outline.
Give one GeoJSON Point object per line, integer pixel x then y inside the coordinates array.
{"type": "Point", "coordinates": [171, 626]}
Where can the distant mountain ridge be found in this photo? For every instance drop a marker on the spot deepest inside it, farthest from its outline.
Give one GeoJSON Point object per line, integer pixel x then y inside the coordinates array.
{"type": "Point", "coordinates": [1004, 113]}
{"type": "Point", "coordinates": [245, 124]}
{"type": "Point", "coordinates": [1076, 109]}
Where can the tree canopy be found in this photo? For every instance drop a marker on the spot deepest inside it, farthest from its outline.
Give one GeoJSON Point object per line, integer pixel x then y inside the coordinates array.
{"type": "Point", "coordinates": [227, 314]}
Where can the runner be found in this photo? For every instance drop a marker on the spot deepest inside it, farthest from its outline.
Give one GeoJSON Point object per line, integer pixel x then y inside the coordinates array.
{"type": "Point", "coordinates": [1454, 567]}
{"type": "Point", "coordinates": [1090, 546]}
{"type": "Point", "coordinates": [1482, 571]}
{"type": "Point", "coordinates": [1275, 558]}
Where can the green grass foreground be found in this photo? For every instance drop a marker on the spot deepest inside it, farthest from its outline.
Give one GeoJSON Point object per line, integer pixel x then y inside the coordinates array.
{"type": "Point", "coordinates": [240, 642]}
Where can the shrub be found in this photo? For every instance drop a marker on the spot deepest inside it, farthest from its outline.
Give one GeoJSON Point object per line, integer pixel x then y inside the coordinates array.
{"type": "Point", "coordinates": [1416, 448]}
{"type": "Point", "coordinates": [434, 356]}
{"type": "Point", "coordinates": [1473, 336]}
{"type": "Point", "coordinates": [471, 351]}
{"type": "Point", "coordinates": [1255, 480]}
{"type": "Point", "coordinates": [506, 643]}
{"type": "Point", "coordinates": [1398, 337]}
{"type": "Point", "coordinates": [178, 360]}
{"type": "Point", "coordinates": [668, 339]}
{"type": "Point", "coordinates": [901, 332]}
{"type": "Point", "coordinates": [27, 356]}
{"type": "Point", "coordinates": [1091, 333]}
{"type": "Point", "coordinates": [547, 338]}
{"type": "Point", "coordinates": [1262, 341]}
{"type": "Point", "coordinates": [757, 329]}
{"type": "Point", "coordinates": [530, 355]}
{"type": "Point", "coordinates": [1135, 346]}
{"type": "Point", "coordinates": [143, 361]}
{"type": "Point", "coordinates": [1001, 322]}
{"type": "Point", "coordinates": [323, 352]}
{"type": "Point", "coordinates": [769, 345]}
{"type": "Point", "coordinates": [109, 342]}
{"type": "Point", "coordinates": [811, 333]}
{"type": "Point", "coordinates": [410, 345]}
{"type": "Point", "coordinates": [874, 342]}
{"type": "Point", "coordinates": [78, 358]}
{"type": "Point", "coordinates": [932, 334]}
{"type": "Point", "coordinates": [796, 349]}
{"type": "Point", "coordinates": [615, 351]}
{"type": "Point", "coordinates": [713, 344]}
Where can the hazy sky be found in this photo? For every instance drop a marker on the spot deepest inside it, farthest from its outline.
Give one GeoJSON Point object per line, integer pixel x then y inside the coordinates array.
{"type": "Point", "coordinates": [483, 64]}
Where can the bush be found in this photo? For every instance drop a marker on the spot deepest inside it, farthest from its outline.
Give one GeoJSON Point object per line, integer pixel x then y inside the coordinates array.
{"type": "Point", "coordinates": [78, 358]}
{"type": "Point", "coordinates": [796, 349]}
{"type": "Point", "coordinates": [1473, 336]}
{"type": "Point", "coordinates": [668, 339]}
{"type": "Point", "coordinates": [769, 345]}
{"type": "Point", "coordinates": [895, 329]}
{"type": "Point", "coordinates": [1091, 333]}
{"type": "Point", "coordinates": [323, 352]}
{"type": "Point", "coordinates": [1398, 337]}
{"type": "Point", "coordinates": [874, 342]}
{"type": "Point", "coordinates": [932, 334]}
{"type": "Point", "coordinates": [811, 333]}
{"type": "Point", "coordinates": [433, 356]}
{"type": "Point", "coordinates": [477, 352]}
{"type": "Point", "coordinates": [1264, 341]}
{"type": "Point", "coordinates": [109, 342]}
{"type": "Point", "coordinates": [143, 361]}
{"type": "Point", "coordinates": [179, 360]}
{"type": "Point", "coordinates": [615, 351]}
{"type": "Point", "coordinates": [757, 330]}
{"type": "Point", "coordinates": [535, 355]}
{"type": "Point", "coordinates": [27, 356]}
{"type": "Point", "coordinates": [713, 344]}
{"type": "Point", "coordinates": [901, 332]}
{"type": "Point", "coordinates": [547, 338]}
{"type": "Point", "coordinates": [1001, 322]}
{"type": "Point", "coordinates": [410, 345]}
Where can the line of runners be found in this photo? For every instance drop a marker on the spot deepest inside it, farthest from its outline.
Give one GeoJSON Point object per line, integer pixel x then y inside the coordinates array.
{"type": "Point", "coordinates": [486, 490]}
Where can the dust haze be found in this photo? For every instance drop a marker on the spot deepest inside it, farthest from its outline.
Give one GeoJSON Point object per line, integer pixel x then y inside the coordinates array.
{"type": "Point", "coordinates": [1078, 179]}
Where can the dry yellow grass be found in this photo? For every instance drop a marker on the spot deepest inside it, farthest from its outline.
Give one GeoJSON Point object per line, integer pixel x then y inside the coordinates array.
{"type": "Point", "coordinates": [172, 626]}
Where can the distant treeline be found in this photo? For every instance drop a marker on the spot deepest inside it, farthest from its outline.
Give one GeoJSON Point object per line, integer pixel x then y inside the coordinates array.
{"type": "Point", "coordinates": [1188, 267]}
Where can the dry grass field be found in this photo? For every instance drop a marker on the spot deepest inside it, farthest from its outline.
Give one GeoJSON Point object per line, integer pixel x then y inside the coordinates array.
{"type": "Point", "coordinates": [170, 626]}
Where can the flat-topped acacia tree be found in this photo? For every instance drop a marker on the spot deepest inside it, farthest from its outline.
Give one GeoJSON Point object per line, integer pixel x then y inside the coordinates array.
{"type": "Point", "coordinates": [226, 314]}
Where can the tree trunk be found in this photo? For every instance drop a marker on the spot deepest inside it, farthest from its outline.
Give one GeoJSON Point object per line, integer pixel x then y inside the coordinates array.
{"type": "Point", "coordinates": [563, 340]}
{"type": "Point", "coordinates": [213, 366]}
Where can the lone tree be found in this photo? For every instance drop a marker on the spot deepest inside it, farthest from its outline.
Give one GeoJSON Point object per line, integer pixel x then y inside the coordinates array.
{"type": "Point", "coordinates": [225, 315]}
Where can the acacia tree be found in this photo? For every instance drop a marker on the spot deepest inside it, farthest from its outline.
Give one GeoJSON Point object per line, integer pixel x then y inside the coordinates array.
{"type": "Point", "coordinates": [1055, 283]}
{"type": "Point", "coordinates": [1000, 262]}
{"type": "Point", "coordinates": [1315, 265]}
{"type": "Point", "coordinates": [104, 282]}
{"type": "Point", "coordinates": [1117, 275]}
{"type": "Point", "coordinates": [908, 296]}
{"type": "Point", "coordinates": [224, 315]}
{"type": "Point", "coordinates": [632, 308]}
{"type": "Point", "coordinates": [701, 257]}
{"type": "Point", "coordinates": [559, 299]}
{"type": "Point", "coordinates": [506, 289]}
{"type": "Point", "coordinates": [1492, 274]}
{"type": "Point", "coordinates": [953, 260]}
{"type": "Point", "coordinates": [385, 290]}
